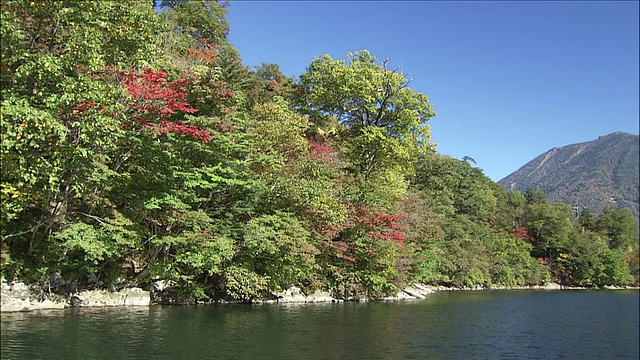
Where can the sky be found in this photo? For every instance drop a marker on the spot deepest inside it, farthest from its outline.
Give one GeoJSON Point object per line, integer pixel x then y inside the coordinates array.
{"type": "Point", "coordinates": [509, 80]}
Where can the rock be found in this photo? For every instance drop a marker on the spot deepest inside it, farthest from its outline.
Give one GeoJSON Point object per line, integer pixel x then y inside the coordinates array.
{"type": "Point", "coordinates": [294, 291]}
{"type": "Point", "coordinates": [321, 296]}
{"type": "Point", "coordinates": [136, 297]}
{"type": "Point", "coordinates": [75, 300]}
{"type": "Point", "coordinates": [115, 299]}
{"type": "Point", "coordinates": [126, 297]}
{"type": "Point", "coordinates": [14, 301]}
{"type": "Point", "coordinates": [418, 291]}
{"type": "Point", "coordinates": [613, 287]}
{"type": "Point", "coordinates": [424, 290]}
{"type": "Point", "coordinates": [552, 286]}
{"type": "Point", "coordinates": [16, 296]}
{"type": "Point", "coordinates": [401, 295]}
{"type": "Point", "coordinates": [18, 286]}
{"type": "Point", "coordinates": [292, 294]}
{"type": "Point", "coordinates": [412, 292]}
{"type": "Point", "coordinates": [56, 281]}
{"type": "Point", "coordinates": [295, 295]}
{"type": "Point", "coordinates": [11, 304]}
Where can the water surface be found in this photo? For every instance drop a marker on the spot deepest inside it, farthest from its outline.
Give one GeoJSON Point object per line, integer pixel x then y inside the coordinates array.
{"type": "Point", "coordinates": [446, 325]}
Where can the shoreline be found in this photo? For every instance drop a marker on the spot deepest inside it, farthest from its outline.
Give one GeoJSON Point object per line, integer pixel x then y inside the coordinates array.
{"type": "Point", "coordinates": [19, 297]}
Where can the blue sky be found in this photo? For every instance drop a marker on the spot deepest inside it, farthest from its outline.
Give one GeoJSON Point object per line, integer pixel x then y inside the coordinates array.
{"type": "Point", "coordinates": [509, 80]}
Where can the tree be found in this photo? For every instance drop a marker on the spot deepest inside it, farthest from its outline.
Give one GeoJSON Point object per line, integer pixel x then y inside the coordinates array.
{"type": "Point", "coordinates": [385, 120]}
{"type": "Point", "coordinates": [462, 256]}
{"type": "Point", "coordinates": [535, 196]}
{"type": "Point", "coordinates": [361, 256]}
{"type": "Point", "coordinates": [474, 195]}
{"type": "Point", "coordinates": [587, 220]}
{"type": "Point", "coordinates": [203, 23]}
{"type": "Point", "coordinates": [619, 227]}
{"type": "Point", "coordinates": [62, 118]}
{"type": "Point", "coordinates": [549, 228]}
{"type": "Point", "coordinates": [270, 82]}
{"type": "Point", "coordinates": [278, 247]}
{"type": "Point", "coordinates": [437, 178]}
{"type": "Point", "coordinates": [512, 264]}
{"type": "Point", "coordinates": [509, 208]}
{"type": "Point", "coordinates": [454, 186]}
{"type": "Point", "coordinates": [200, 19]}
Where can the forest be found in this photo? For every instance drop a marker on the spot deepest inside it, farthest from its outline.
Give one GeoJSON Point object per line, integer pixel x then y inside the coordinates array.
{"type": "Point", "coordinates": [137, 147]}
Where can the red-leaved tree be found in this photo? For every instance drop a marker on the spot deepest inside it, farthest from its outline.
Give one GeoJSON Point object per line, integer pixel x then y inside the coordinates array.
{"type": "Point", "coordinates": [155, 101]}
{"type": "Point", "coordinates": [364, 232]}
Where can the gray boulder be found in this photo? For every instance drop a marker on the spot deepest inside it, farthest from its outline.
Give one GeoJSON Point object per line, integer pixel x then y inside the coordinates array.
{"type": "Point", "coordinates": [126, 297]}
{"type": "Point", "coordinates": [295, 295]}
{"type": "Point", "coordinates": [292, 294]}
{"type": "Point", "coordinates": [136, 297]}
{"type": "Point", "coordinates": [16, 297]}
{"type": "Point", "coordinates": [322, 296]}
{"type": "Point", "coordinates": [11, 304]}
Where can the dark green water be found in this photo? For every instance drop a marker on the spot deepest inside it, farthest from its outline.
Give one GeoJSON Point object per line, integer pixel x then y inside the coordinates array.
{"type": "Point", "coordinates": [447, 325]}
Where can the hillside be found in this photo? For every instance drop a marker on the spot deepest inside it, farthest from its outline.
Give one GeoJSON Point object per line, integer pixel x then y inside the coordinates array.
{"type": "Point", "coordinates": [594, 174]}
{"type": "Point", "coordinates": [145, 153]}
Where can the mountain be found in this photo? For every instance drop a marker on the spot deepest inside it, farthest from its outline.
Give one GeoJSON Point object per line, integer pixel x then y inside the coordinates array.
{"type": "Point", "coordinates": [593, 174]}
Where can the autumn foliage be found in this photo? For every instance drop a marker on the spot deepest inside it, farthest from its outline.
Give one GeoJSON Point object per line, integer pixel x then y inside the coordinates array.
{"type": "Point", "coordinates": [379, 225]}
{"type": "Point", "coordinates": [365, 231]}
{"type": "Point", "coordinates": [132, 138]}
{"type": "Point", "coordinates": [156, 100]}
{"type": "Point", "coordinates": [521, 233]}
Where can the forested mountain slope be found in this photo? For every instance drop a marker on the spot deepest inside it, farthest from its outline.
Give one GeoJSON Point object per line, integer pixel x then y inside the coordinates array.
{"type": "Point", "coordinates": [138, 149]}
{"type": "Point", "coordinates": [594, 174]}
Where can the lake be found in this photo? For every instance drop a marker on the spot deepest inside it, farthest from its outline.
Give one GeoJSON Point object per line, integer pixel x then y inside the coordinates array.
{"type": "Point", "coordinates": [517, 324]}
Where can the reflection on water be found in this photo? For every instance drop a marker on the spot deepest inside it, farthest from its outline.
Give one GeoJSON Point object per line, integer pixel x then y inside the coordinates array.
{"type": "Point", "coordinates": [447, 325]}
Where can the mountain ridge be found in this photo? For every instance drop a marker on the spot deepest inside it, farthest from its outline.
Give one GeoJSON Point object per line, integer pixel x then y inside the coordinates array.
{"type": "Point", "coordinates": [593, 174]}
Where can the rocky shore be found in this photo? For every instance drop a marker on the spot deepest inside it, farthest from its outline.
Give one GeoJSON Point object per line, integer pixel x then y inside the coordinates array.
{"type": "Point", "coordinates": [18, 297]}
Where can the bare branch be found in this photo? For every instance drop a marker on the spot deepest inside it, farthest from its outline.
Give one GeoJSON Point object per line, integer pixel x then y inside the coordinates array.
{"type": "Point", "coordinates": [5, 237]}
{"type": "Point", "coordinates": [98, 219]}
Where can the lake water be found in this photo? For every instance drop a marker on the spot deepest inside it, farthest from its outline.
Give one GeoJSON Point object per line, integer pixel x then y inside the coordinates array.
{"type": "Point", "coordinates": [447, 325]}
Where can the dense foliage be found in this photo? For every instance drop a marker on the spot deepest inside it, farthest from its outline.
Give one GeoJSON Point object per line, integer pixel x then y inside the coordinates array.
{"type": "Point", "coordinates": [137, 147]}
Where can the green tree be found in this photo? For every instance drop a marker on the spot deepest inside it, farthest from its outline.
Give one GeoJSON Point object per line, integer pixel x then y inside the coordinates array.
{"type": "Point", "coordinates": [535, 196]}
{"type": "Point", "coordinates": [619, 227]}
{"type": "Point", "coordinates": [549, 228]}
{"type": "Point", "coordinates": [454, 186]}
{"type": "Point", "coordinates": [437, 179]}
{"type": "Point", "coordinates": [270, 82]}
{"type": "Point", "coordinates": [462, 258]}
{"type": "Point", "coordinates": [279, 247]}
{"type": "Point", "coordinates": [614, 269]}
{"type": "Point", "coordinates": [474, 195]}
{"type": "Point", "coordinates": [582, 259]}
{"type": "Point", "coordinates": [587, 220]}
{"type": "Point", "coordinates": [512, 264]}
{"type": "Point", "coordinates": [62, 121]}
{"type": "Point", "coordinates": [509, 209]}
{"type": "Point", "coordinates": [384, 119]}
{"type": "Point", "coordinates": [200, 19]}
